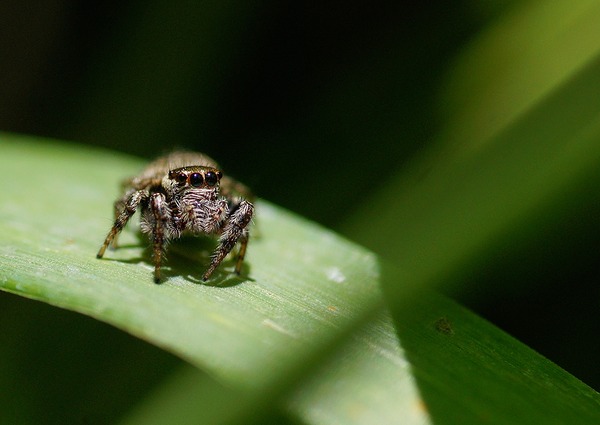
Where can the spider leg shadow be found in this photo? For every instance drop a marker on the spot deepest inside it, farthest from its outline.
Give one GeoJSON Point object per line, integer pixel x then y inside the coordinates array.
{"type": "Point", "coordinates": [187, 258]}
{"type": "Point", "coordinates": [223, 277]}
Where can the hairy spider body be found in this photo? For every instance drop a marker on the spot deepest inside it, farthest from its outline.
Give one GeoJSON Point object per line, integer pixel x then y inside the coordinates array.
{"type": "Point", "coordinates": [185, 193]}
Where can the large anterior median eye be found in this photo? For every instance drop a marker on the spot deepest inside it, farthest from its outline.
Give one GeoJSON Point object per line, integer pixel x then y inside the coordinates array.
{"type": "Point", "coordinates": [196, 179]}
{"type": "Point", "coordinates": [211, 178]}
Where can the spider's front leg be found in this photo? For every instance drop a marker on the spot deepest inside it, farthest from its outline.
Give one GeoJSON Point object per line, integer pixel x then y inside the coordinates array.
{"type": "Point", "coordinates": [129, 208]}
{"type": "Point", "coordinates": [234, 230]}
{"type": "Point", "coordinates": [119, 206]}
{"type": "Point", "coordinates": [160, 217]}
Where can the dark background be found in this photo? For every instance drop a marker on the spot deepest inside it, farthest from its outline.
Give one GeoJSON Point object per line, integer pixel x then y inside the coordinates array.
{"type": "Point", "coordinates": [334, 90]}
{"type": "Point", "coordinates": [314, 106]}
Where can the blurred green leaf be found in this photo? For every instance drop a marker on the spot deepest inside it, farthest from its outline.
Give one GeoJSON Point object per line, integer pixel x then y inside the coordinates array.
{"type": "Point", "coordinates": [469, 372]}
{"type": "Point", "coordinates": [519, 156]}
{"type": "Point", "coordinates": [281, 337]}
{"type": "Point", "coordinates": [461, 203]}
{"type": "Point", "coordinates": [515, 64]}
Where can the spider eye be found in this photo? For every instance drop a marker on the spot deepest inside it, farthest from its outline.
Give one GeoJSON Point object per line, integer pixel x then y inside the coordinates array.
{"type": "Point", "coordinates": [196, 179]}
{"type": "Point", "coordinates": [181, 178]}
{"type": "Point", "coordinates": [211, 178]}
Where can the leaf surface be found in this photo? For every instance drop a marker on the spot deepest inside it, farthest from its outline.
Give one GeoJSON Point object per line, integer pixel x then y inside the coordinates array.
{"type": "Point", "coordinates": [244, 330]}
{"type": "Point", "coordinates": [302, 329]}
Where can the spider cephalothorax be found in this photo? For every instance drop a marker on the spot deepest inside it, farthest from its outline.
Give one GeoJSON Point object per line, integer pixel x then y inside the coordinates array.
{"type": "Point", "coordinates": [185, 193]}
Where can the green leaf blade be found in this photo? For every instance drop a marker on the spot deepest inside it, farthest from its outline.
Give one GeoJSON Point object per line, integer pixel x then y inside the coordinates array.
{"type": "Point", "coordinates": [470, 372]}
{"type": "Point", "coordinates": [247, 331]}
{"type": "Point", "coordinates": [265, 336]}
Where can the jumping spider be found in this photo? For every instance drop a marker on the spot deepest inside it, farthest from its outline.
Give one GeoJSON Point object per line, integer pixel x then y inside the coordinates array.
{"type": "Point", "coordinates": [185, 193]}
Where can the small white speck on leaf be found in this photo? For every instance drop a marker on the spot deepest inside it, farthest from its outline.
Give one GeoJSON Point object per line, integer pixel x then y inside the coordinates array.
{"type": "Point", "coordinates": [335, 275]}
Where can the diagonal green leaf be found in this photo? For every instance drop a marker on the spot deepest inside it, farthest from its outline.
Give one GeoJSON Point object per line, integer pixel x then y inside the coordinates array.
{"type": "Point", "coordinates": [515, 63]}
{"type": "Point", "coordinates": [243, 330]}
{"type": "Point", "coordinates": [304, 288]}
{"type": "Point", "coordinates": [470, 371]}
{"type": "Point", "coordinates": [459, 204]}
